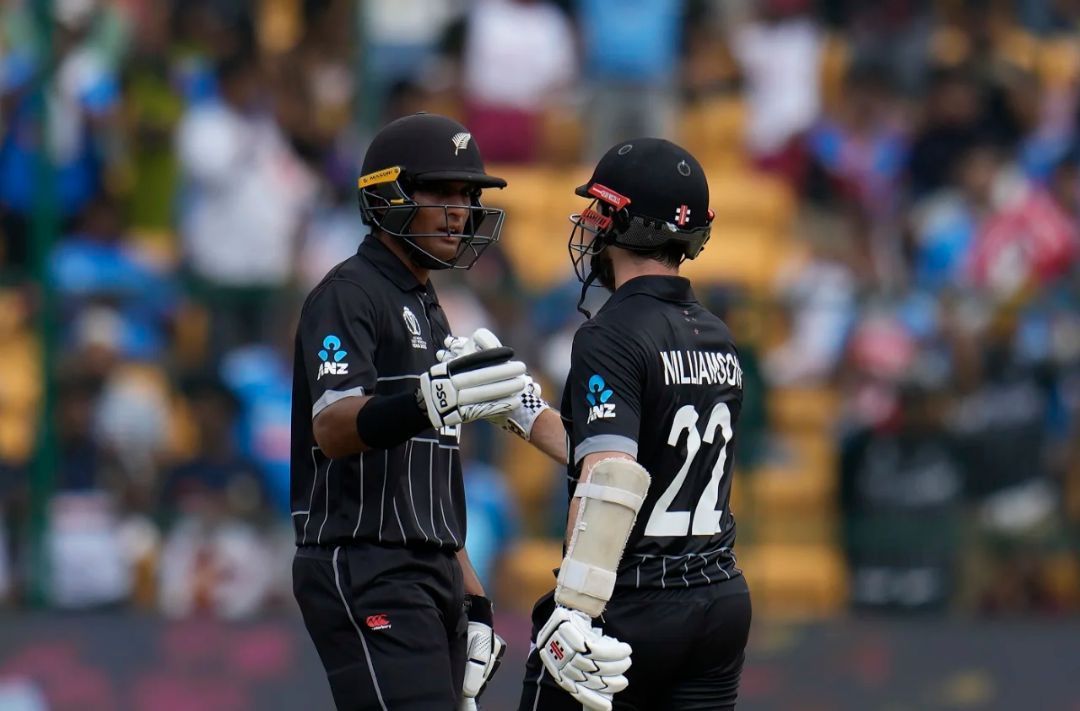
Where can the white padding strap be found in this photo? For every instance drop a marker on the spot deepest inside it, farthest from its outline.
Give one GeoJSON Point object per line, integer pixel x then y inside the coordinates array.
{"type": "Point", "coordinates": [608, 503]}
{"type": "Point", "coordinates": [587, 579]}
{"type": "Point", "coordinates": [615, 495]}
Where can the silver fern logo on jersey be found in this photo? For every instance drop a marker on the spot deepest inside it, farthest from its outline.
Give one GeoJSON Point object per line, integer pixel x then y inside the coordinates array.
{"type": "Point", "coordinates": [461, 141]}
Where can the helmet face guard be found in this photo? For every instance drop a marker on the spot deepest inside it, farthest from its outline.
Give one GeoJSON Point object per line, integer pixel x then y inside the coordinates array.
{"type": "Point", "coordinates": [387, 206]}
{"type": "Point", "coordinates": [590, 234]}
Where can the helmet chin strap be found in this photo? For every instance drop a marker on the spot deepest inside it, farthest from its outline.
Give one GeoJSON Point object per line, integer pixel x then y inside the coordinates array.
{"type": "Point", "coordinates": [584, 290]}
{"type": "Point", "coordinates": [599, 268]}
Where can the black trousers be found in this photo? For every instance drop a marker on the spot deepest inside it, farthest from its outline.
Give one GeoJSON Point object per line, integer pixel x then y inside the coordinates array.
{"type": "Point", "coordinates": [388, 623]}
{"type": "Point", "coordinates": [688, 649]}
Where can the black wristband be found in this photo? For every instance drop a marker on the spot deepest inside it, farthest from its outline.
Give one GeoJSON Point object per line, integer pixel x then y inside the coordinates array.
{"type": "Point", "coordinates": [386, 421]}
{"type": "Point", "coordinates": [478, 609]}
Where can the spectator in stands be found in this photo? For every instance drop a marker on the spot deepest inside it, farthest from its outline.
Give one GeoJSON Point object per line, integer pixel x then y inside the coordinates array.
{"type": "Point", "coordinates": [99, 265]}
{"type": "Point", "coordinates": [154, 86]}
{"type": "Point", "coordinates": [247, 196]}
{"type": "Point", "coordinates": [861, 151]}
{"type": "Point", "coordinates": [82, 464]}
{"type": "Point", "coordinates": [329, 236]}
{"type": "Point", "coordinates": [510, 77]}
{"type": "Point", "coordinates": [892, 33]}
{"type": "Point", "coordinates": [901, 487]}
{"type": "Point", "coordinates": [258, 375]}
{"type": "Point", "coordinates": [81, 134]}
{"type": "Point", "coordinates": [216, 467]}
{"type": "Point", "coordinates": [948, 127]}
{"type": "Point", "coordinates": [819, 288]}
{"type": "Point", "coordinates": [779, 53]}
{"type": "Point", "coordinates": [214, 559]}
{"type": "Point", "coordinates": [313, 87]}
{"type": "Point", "coordinates": [946, 223]}
{"type": "Point", "coordinates": [87, 558]}
{"type": "Point", "coordinates": [631, 64]}
{"type": "Point", "coordinates": [401, 42]}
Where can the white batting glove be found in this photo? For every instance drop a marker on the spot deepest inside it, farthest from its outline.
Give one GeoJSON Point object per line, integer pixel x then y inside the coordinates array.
{"type": "Point", "coordinates": [521, 418]}
{"type": "Point", "coordinates": [472, 387]}
{"type": "Point", "coordinates": [588, 664]}
{"type": "Point", "coordinates": [484, 651]}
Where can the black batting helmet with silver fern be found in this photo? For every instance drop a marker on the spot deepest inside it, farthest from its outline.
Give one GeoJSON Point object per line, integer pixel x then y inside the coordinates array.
{"type": "Point", "coordinates": [418, 150]}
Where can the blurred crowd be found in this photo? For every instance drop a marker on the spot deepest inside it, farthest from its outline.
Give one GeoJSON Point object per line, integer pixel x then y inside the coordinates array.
{"type": "Point", "coordinates": [196, 161]}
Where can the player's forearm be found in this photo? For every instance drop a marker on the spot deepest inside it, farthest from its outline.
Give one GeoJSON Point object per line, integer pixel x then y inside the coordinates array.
{"type": "Point", "coordinates": [549, 436]}
{"type": "Point", "coordinates": [335, 428]}
{"type": "Point", "coordinates": [473, 586]}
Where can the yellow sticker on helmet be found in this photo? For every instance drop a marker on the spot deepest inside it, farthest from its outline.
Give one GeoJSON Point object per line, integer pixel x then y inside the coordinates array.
{"type": "Point", "coordinates": [386, 175]}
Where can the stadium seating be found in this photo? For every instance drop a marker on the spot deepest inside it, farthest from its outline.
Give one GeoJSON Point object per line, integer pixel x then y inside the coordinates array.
{"type": "Point", "coordinates": [20, 381]}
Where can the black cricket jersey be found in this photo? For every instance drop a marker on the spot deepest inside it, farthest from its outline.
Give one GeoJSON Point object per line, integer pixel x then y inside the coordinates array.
{"type": "Point", "coordinates": [369, 328]}
{"type": "Point", "coordinates": [655, 375]}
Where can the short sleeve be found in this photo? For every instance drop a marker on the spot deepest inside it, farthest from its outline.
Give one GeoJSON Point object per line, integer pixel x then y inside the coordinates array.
{"type": "Point", "coordinates": [337, 342]}
{"type": "Point", "coordinates": [606, 385]}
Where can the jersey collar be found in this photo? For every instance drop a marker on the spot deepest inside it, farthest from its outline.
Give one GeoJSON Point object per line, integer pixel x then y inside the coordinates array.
{"type": "Point", "coordinates": [666, 288]}
{"type": "Point", "coordinates": [388, 263]}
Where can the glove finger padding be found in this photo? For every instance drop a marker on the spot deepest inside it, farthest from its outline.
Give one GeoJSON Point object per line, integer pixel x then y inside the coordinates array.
{"type": "Point", "coordinates": [485, 410]}
{"type": "Point", "coordinates": [608, 668]}
{"type": "Point", "coordinates": [480, 359]}
{"type": "Point", "coordinates": [484, 339]}
{"type": "Point", "coordinates": [603, 648]}
{"type": "Point", "coordinates": [511, 371]}
{"type": "Point", "coordinates": [453, 347]}
{"type": "Point", "coordinates": [592, 700]}
{"type": "Point", "coordinates": [583, 661]}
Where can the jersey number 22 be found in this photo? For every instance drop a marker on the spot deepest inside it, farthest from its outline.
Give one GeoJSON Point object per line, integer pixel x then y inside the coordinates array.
{"type": "Point", "coordinates": [706, 520]}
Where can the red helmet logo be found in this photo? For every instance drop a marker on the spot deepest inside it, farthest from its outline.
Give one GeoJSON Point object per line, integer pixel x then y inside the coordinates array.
{"type": "Point", "coordinates": [609, 196]}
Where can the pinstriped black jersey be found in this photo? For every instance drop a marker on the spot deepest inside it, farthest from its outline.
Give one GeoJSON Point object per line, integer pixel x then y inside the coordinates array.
{"type": "Point", "coordinates": [370, 328]}
{"type": "Point", "coordinates": [656, 376]}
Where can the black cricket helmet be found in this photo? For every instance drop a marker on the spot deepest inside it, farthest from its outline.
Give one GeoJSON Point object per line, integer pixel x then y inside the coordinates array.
{"type": "Point", "coordinates": [647, 193]}
{"type": "Point", "coordinates": [421, 149]}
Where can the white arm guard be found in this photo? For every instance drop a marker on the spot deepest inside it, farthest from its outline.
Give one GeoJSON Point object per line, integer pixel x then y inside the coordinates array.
{"type": "Point", "coordinates": [610, 501]}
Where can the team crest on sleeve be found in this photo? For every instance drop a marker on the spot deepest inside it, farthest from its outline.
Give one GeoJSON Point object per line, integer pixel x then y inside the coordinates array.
{"type": "Point", "coordinates": [332, 358]}
{"type": "Point", "coordinates": [598, 396]}
{"type": "Point", "coordinates": [413, 324]}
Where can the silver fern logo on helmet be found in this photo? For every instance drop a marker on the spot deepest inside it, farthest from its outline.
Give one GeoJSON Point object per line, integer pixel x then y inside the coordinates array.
{"type": "Point", "coordinates": [461, 141]}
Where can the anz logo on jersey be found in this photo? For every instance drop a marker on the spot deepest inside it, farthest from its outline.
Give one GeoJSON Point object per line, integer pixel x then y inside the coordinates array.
{"type": "Point", "coordinates": [598, 396]}
{"type": "Point", "coordinates": [332, 358]}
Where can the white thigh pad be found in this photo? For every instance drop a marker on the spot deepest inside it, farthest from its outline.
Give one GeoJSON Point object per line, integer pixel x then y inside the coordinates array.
{"type": "Point", "coordinates": [610, 501]}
